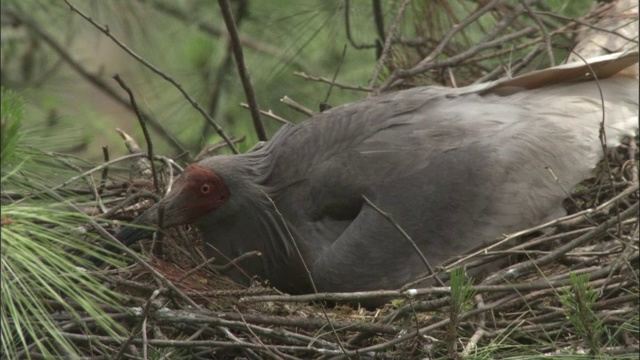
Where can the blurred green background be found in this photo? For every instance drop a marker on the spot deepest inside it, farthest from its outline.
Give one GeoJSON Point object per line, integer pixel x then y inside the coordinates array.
{"type": "Point", "coordinates": [187, 40]}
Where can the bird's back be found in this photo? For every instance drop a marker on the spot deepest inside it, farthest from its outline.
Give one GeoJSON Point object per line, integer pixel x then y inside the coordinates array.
{"type": "Point", "coordinates": [453, 167]}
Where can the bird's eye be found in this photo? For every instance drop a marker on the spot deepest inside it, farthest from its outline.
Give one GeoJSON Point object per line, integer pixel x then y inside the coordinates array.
{"type": "Point", "coordinates": [205, 188]}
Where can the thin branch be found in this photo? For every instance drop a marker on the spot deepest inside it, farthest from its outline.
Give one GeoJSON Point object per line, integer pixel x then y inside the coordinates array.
{"type": "Point", "coordinates": [210, 149]}
{"type": "Point", "coordinates": [347, 27]}
{"type": "Point", "coordinates": [494, 74]}
{"type": "Point", "coordinates": [543, 29]}
{"type": "Point", "coordinates": [234, 262]}
{"type": "Point", "coordinates": [432, 290]}
{"type": "Point", "coordinates": [269, 114]}
{"type": "Point", "coordinates": [324, 105]}
{"type": "Point", "coordinates": [488, 41]}
{"type": "Point", "coordinates": [105, 30]}
{"type": "Point", "coordinates": [473, 341]}
{"type": "Point", "coordinates": [556, 222]}
{"type": "Point", "coordinates": [456, 29]}
{"type": "Point", "coordinates": [587, 24]}
{"type": "Point", "coordinates": [517, 270]}
{"type": "Point", "coordinates": [219, 83]}
{"type": "Point", "coordinates": [296, 106]}
{"type": "Point", "coordinates": [105, 171]}
{"type": "Point", "coordinates": [331, 82]}
{"type": "Point", "coordinates": [147, 137]}
{"type": "Point", "coordinates": [386, 49]}
{"type": "Point", "coordinates": [146, 311]}
{"type": "Point", "coordinates": [92, 79]}
{"type": "Point", "coordinates": [227, 14]}
{"type": "Point", "coordinates": [190, 344]}
{"type": "Point", "coordinates": [378, 19]}
{"type": "Point", "coordinates": [259, 46]}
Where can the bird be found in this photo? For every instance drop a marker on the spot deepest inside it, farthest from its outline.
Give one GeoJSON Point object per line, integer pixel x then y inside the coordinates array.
{"type": "Point", "coordinates": [453, 167]}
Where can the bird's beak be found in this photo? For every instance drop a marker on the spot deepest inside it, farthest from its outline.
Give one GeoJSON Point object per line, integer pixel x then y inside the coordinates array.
{"type": "Point", "coordinates": [144, 225]}
{"type": "Point", "coordinates": [141, 227]}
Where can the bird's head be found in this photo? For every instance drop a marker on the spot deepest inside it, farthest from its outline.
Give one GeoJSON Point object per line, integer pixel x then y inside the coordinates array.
{"type": "Point", "coordinates": [197, 192]}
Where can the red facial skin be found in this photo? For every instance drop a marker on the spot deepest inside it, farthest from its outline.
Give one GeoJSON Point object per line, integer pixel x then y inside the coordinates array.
{"type": "Point", "coordinates": [196, 192]}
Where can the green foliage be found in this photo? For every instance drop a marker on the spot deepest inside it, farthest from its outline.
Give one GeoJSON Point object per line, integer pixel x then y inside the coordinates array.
{"type": "Point", "coordinates": [461, 291]}
{"type": "Point", "coordinates": [40, 276]}
{"type": "Point", "coordinates": [580, 300]}
{"type": "Point", "coordinates": [461, 295]}
{"type": "Point", "coordinates": [39, 236]}
{"type": "Point", "coordinates": [12, 112]}
{"type": "Point", "coordinates": [281, 37]}
{"type": "Point", "coordinates": [569, 8]}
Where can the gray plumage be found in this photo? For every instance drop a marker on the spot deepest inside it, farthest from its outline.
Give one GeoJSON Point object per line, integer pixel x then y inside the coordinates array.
{"type": "Point", "coordinates": [454, 167]}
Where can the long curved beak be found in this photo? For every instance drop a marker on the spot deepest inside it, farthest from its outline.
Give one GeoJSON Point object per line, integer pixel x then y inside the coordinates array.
{"type": "Point", "coordinates": [170, 208]}
{"type": "Point", "coordinates": [128, 235]}
{"type": "Point", "coordinates": [141, 227]}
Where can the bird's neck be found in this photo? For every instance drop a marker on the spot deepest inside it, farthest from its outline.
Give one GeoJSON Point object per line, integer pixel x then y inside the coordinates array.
{"type": "Point", "coordinates": [250, 221]}
{"type": "Point", "coordinates": [282, 249]}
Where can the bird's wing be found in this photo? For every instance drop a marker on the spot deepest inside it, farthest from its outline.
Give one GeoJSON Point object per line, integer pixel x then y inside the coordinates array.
{"type": "Point", "coordinates": [338, 130]}
{"type": "Point", "coordinates": [601, 67]}
{"type": "Point", "coordinates": [454, 167]}
{"type": "Point", "coordinates": [460, 170]}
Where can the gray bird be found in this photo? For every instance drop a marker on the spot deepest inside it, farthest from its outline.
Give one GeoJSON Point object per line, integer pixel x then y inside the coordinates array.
{"type": "Point", "coordinates": [454, 167]}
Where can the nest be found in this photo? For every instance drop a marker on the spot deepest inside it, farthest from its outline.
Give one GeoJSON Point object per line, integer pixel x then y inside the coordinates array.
{"type": "Point", "coordinates": [568, 286]}
{"type": "Point", "coordinates": [565, 287]}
